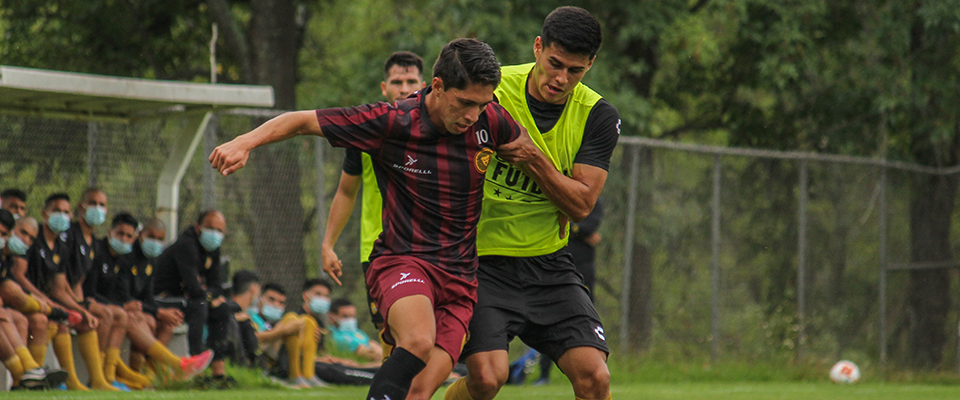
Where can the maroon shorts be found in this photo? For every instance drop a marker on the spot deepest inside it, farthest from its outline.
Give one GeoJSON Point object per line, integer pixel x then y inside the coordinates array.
{"type": "Point", "coordinates": [391, 278]}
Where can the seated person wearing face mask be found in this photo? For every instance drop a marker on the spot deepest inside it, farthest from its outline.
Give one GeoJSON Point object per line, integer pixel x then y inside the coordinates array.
{"type": "Point", "coordinates": [295, 333]}
{"type": "Point", "coordinates": [103, 283]}
{"type": "Point", "coordinates": [346, 336]}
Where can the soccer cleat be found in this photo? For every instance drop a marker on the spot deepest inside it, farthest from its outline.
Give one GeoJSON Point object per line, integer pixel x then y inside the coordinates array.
{"type": "Point", "coordinates": [194, 365]}
{"type": "Point", "coordinates": [317, 383]}
{"type": "Point", "coordinates": [54, 377]}
{"type": "Point", "coordinates": [121, 386]}
{"type": "Point", "coordinates": [33, 379]}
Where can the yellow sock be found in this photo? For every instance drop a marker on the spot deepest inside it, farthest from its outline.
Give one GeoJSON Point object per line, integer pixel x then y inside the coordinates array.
{"type": "Point", "coordinates": [26, 359]}
{"type": "Point", "coordinates": [458, 391]}
{"type": "Point", "coordinates": [52, 329]}
{"type": "Point", "coordinates": [293, 348]}
{"type": "Point", "coordinates": [308, 347]}
{"type": "Point", "coordinates": [110, 364]}
{"type": "Point", "coordinates": [137, 360]}
{"type": "Point", "coordinates": [31, 306]}
{"type": "Point", "coordinates": [39, 353]}
{"type": "Point", "coordinates": [90, 350]}
{"type": "Point", "coordinates": [123, 371]}
{"type": "Point", "coordinates": [131, 384]}
{"type": "Point", "coordinates": [161, 353]}
{"type": "Point", "coordinates": [63, 348]}
{"type": "Point", "coordinates": [15, 367]}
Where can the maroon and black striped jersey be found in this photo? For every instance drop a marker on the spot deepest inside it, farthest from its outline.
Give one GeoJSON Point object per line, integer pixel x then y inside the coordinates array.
{"type": "Point", "coordinates": [431, 181]}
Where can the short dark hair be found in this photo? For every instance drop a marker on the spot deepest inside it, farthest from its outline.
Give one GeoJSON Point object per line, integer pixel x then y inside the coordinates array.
{"type": "Point", "coordinates": [337, 304]}
{"type": "Point", "coordinates": [124, 218]}
{"type": "Point", "coordinates": [467, 61]}
{"type": "Point", "coordinates": [55, 197]}
{"type": "Point", "coordinates": [402, 59]}
{"type": "Point", "coordinates": [273, 286]}
{"type": "Point", "coordinates": [6, 219]}
{"type": "Point", "coordinates": [8, 193]}
{"type": "Point", "coordinates": [203, 215]}
{"type": "Point", "coordinates": [88, 192]}
{"type": "Point", "coordinates": [574, 29]}
{"type": "Point", "coordinates": [242, 280]}
{"type": "Point", "coordinates": [310, 283]}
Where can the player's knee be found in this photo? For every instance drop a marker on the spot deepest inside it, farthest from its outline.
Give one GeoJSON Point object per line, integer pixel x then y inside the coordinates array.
{"type": "Point", "coordinates": [419, 344]}
{"type": "Point", "coordinates": [18, 318]}
{"type": "Point", "coordinates": [37, 320]}
{"type": "Point", "coordinates": [591, 384]}
{"type": "Point", "coordinates": [119, 317]}
{"type": "Point", "coordinates": [485, 383]}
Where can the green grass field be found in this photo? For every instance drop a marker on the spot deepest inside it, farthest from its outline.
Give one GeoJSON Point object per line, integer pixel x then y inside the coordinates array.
{"type": "Point", "coordinates": [635, 391]}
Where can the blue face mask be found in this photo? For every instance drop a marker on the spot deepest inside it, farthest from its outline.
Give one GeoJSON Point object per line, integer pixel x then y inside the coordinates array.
{"type": "Point", "coordinates": [95, 215]}
{"type": "Point", "coordinates": [348, 324]}
{"type": "Point", "coordinates": [151, 247]}
{"type": "Point", "coordinates": [58, 222]}
{"type": "Point", "coordinates": [271, 313]}
{"type": "Point", "coordinates": [211, 239]}
{"type": "Point", "coordinates": [17, 246]}
{"type": "Point", "coordinates": [319, 305]}
{"type": "Point", "coordinates": [120, 246]}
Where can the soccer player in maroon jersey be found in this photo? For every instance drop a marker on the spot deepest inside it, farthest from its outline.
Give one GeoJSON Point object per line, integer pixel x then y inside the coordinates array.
{"type": "Point", "coordinates": [430, 153]}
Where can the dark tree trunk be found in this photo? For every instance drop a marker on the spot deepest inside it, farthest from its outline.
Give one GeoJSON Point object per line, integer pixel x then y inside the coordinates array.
{"type": "Point", "coordinates": [640, 316]}
{"type": "Point", "coordinates": [928, 291]}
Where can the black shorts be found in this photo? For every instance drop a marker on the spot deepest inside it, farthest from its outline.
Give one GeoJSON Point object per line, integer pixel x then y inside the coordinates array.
{"type": "Point", "coordinates": [539, 299]}
{"type": "Point", "coordinates": [375, 315]}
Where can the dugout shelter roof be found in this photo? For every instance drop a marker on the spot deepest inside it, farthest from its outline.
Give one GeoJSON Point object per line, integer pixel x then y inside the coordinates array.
{"type": "Point", "coordinates": [70, 95]}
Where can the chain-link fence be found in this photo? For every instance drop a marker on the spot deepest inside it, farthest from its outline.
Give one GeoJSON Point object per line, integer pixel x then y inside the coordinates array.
{"type": "Point", "coordinates": [705, 252]}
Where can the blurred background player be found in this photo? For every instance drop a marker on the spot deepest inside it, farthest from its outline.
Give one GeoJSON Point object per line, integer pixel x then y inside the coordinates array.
{"type": "Point", "coordinates": [18, 359]}
{"type": "Point", "coordinates": [15, 201]}
{"type": "Point", "coordinates": [44, 277]}
{"type": "Point", "coordinates": [346, 335]}
{"type": "Point", "coordinates": [136, 280]}
{"type": "Point", "coordinates": [191, 268]}
{"type": "Point", "coordinates": [288, 333]}
{"type": "Point", "coordinates": [402, 76]}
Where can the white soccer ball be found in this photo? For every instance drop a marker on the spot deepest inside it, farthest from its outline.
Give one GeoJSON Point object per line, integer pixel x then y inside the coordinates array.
{"type": "Point", "coordinates": [845, 371]}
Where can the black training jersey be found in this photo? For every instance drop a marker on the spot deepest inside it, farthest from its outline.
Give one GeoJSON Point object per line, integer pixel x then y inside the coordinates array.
{"type": "Point", "coordinates": [136, 279]}
{"type": "Point", "coordinates": [431, 181]}
{"type": "Point", "coordinates": [102, 282]}
{"type": "Point", "coordinates": [187, 268]}
{"type": "Point", "coordinates": [81, 254]}
{"type": "Point", "coordinates": [44, 262]}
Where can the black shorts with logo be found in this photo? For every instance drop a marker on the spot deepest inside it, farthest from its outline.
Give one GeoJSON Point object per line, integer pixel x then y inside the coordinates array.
{"type": "Point", "coordinates": [539, 299]}
{"type": "Point", "coordinates": [375, 315]}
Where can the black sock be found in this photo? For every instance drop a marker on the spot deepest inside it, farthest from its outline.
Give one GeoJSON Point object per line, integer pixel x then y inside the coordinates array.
{"type": "Point", "coordinates": [392, 381]}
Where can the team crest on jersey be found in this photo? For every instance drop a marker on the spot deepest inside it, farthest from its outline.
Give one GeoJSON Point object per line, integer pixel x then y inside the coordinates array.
{"type": "Point", "coordinates": [91, 254]}
{"type": "Point", "coordinates": [209, 263]}
{"type": "Point", "coordinates": [56, 259]}
{"type": "Point", "coordinates": [133, 270]}
{"type": "Point", "coordinates": [116, 269]}
{"type": "Point", "coordinates": [483, 159]}
{"type": "Point", "coordinates": [148, 270]}
{"type": "Point", "coordinates": [373, 306]}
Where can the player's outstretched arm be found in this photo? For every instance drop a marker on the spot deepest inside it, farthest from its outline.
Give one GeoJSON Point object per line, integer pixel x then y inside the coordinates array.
{"type": "Point", "coordinates": [340, 210]}
{"type": "Point", "coordinates": [231, 156]}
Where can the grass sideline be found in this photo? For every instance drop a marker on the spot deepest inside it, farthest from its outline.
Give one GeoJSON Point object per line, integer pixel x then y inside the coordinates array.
{"type": "Point", "coordinates": [561, 390]}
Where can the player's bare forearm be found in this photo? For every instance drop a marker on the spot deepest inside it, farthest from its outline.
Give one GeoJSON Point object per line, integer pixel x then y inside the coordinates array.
{"type": "Point", "coordinates": [62, 294]}
{"type": "Point", "coordinates": [19, 272]}
{"type": "Point", "coordinates": [231, 156]}
{"type": "Point", "coordinates": [575, 196]}
{"type": "Point", "coordinates": [341, 208]}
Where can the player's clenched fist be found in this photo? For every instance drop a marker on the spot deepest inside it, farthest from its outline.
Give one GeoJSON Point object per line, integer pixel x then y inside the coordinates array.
{"type": "Point", "coordinates": [230, 156]}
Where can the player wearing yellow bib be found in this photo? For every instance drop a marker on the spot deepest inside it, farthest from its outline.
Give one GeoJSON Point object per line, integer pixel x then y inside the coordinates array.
{"type": "Point", "coordinates": [528, 285]}
{"type": "Point", "coordinates": [402, 76]}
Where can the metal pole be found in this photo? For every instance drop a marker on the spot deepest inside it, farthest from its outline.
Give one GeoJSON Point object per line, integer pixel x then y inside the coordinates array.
{"type": "Point", "coordinates": [883, 265]}
{"type": "Point", "coordinates": [628, 249]}
{"type": "Point", "coordinates": [802, 257]}
{"type": "Point", "coordinates": [93, 131]}
{"type": "Point", "coordinates": [213, 53]}
{"type": "Point", "coordinates": [209, 174]}
{"type": "Point", "coordinates": [321, 201]}
{"type": "Point", "coordinates": [715, 267]}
